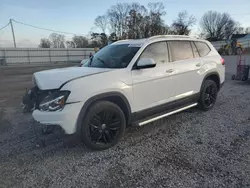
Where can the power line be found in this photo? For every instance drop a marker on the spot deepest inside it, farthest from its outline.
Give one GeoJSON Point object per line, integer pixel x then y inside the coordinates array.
{"type": "Point", "coordinates": [5, 26]}
{"type": "Point", "coordinates": [241, 14]}
{"type": "Point", "coordinates": [46, 28]}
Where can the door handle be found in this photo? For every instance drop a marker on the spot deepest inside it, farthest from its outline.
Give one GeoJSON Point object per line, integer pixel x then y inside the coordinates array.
{"type": "Point", "coordinates": [169, 70]}
{"type": "Point", "coordinates": [198, 65]}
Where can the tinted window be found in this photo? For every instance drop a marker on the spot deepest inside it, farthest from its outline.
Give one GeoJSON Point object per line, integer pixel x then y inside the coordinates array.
{"type": "Point", "coordinates": [202, 48]}
{"type": "Point", "coordinates": [196, 53]}
{"type": "Point", "coordinates": [181, 50]}
{"type": "Point", "coordinates": [113, 56]}
{"type": "Point", "coordinates": [157, 51]}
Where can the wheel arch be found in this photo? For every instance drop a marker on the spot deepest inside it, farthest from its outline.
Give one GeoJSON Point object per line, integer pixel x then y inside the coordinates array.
{"type": "Point", "coordinates": [212, 76]}
{"type": "Point", "coordinates": [115, 97]}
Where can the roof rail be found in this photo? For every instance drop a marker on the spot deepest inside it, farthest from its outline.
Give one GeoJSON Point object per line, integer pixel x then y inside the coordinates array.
{"type": "Point", "coordinates": [169, 36]}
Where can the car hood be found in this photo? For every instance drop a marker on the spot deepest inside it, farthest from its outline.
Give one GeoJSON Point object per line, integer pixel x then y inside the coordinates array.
{"type": "Point", "coordinates": [54, 78]}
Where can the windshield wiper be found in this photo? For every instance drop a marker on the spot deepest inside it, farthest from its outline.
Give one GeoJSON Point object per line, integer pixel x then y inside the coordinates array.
{"type": "Point", "coordinates": [103, 62]}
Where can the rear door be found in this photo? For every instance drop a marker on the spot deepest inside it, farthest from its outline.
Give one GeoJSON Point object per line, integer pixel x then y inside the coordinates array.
{"type": "Point", "coordinates": [187, 63]}
{"type": "Point", "coordinates": [153, 86]}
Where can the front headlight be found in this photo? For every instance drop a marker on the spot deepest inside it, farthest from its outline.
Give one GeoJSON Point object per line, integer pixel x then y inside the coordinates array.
{"type": "Point", "coordinates": [54, 101]}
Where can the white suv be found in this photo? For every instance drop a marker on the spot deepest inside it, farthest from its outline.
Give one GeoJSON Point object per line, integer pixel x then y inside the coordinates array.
{"type": "Point", "coordinates": [128, 82]}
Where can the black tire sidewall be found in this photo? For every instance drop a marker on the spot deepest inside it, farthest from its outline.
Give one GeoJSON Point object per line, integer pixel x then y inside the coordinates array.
{"type": "Point", "coordinates": [244, 78]}
{"type": "Point", "coordinates": [202, 104]}
{"type": "Point", "coordinates": [101, 105]}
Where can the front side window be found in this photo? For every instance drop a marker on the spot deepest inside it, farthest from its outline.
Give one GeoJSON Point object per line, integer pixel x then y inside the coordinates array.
{"type": "Point", "coordinates": [113, 56]}
{"type": "Point", "coordinates": [157, 51]}
{"type": "Point", "coordinates": [180, 50]}
{"type": "Point", "coordinates": [202, 48]}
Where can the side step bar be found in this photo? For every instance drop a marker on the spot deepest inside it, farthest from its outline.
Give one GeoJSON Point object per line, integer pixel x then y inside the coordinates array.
{"type": "Point", "coordinates": [167, 114]}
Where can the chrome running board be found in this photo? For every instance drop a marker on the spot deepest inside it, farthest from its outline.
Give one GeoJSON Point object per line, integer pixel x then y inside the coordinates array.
{"type": "Point", "coordinates": [167, 114]}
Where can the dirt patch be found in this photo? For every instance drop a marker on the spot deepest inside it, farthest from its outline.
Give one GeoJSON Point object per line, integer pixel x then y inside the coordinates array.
{"type": "Point", "coordinates": [5, 124]}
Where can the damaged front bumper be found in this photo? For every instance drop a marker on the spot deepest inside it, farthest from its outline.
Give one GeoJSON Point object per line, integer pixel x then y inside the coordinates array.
{"type": "Point", "coordinates": [32, 98]}
{"type": "Point", "coordinates": [65, 118]}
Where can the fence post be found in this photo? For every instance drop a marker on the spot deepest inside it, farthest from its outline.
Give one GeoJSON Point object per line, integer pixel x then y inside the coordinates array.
{"type": "Point", "coordinates": [28, 52]}
{"type": "Point", "coordinates": [49, 55]}
{"type": "Point", "coordinates": [68, 55]}
{"type": "Point", "coordinates": [4, 57]}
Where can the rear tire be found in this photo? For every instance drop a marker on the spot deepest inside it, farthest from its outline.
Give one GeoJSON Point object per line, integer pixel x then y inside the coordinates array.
{"type": "Point", "coordinates": [208, 95]}
{"type": "Point", "coordinates": [103, 126]}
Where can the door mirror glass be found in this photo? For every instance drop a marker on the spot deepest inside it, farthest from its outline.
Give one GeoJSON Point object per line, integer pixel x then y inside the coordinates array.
{"type": "Point", "coordinates": [145, 63]}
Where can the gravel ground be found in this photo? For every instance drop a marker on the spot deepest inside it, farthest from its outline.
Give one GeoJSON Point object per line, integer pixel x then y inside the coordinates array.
{"type": "Point", "coordinates": [189, 149]}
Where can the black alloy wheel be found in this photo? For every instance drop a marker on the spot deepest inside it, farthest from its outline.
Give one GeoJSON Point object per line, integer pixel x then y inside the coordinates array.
{"type": "Point", "coordinates": [208, 95]}
{"type": "Point", "coordinates": [103, 126]}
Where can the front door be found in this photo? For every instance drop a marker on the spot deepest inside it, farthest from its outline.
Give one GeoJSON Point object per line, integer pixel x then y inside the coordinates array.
{"type": "Point", "coordinates": [153, 86]}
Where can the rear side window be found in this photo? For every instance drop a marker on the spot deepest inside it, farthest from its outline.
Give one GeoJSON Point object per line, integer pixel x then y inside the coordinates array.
{"type": "Point", "coordinates": [202, 48]}
{"type": "Point", "coordinates": [180, 50]}
{"type": "Point", "coordinates": [157, 51]}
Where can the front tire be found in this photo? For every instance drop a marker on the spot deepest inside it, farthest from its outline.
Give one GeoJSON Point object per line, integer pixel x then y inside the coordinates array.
{"type": "Point", "coordinates": [208, 95]}
{"type": "Point", "coordinates": [103, 126]}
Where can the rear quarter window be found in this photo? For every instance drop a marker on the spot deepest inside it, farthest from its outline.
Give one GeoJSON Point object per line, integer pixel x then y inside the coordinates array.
{"type": "Point", "coordinates": [202, 48]}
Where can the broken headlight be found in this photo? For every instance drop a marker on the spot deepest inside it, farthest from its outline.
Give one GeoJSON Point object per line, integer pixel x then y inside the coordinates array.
{"type": "Point", "coordinates": [54, 101]}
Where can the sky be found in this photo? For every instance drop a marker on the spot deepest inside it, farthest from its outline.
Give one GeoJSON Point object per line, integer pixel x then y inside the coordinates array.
{"type": "Point", "coordinates": [77, 16]}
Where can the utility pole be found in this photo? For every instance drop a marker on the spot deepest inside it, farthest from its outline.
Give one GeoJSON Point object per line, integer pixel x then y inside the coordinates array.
{"type": "Point", "coordinates": [13, 34]}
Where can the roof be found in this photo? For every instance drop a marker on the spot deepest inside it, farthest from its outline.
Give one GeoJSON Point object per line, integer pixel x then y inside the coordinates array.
{"type": "Point", "coordinates": [130, 41]}
{"type": "Point", "coordinates": [237, 36]}
{"type": "Point", "coordinates": [154, 38]}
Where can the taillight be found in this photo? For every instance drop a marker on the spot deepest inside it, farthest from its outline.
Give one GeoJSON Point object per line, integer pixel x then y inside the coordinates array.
{"type": "Point", "coordinates": [222, 61]}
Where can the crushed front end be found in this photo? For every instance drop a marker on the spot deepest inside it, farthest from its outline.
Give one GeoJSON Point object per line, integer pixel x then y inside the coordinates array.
{"type": "Point", "coordinates": [50, 108]}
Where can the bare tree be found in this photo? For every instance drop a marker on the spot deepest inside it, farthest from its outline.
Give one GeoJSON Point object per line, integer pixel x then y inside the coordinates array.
{"type": "Point", "coordinates": [70, 44]}
{"type": "Point", "coordinates": [181, 26]}
{"type": "Point", "coordinates": [100, 38]}
{"type": "Point", "coordinates": [134, 21]}
{"type": "Point", "coordinates": [102, 23]}
{"type": "Point", "coordinates": [117, 18]}
{"type": "Point", "coordinates": [154, 19]}
{"type": "Point", "coordinates": [45, 43]}
{"type": "Point", "coordinates": [80, 41]}
{"type": "Point", "coordinates": [57, 40]}
{"type": "Point", "coordinates": [217, 25]}
{"type": "Point", "coordinates": [157, 8]}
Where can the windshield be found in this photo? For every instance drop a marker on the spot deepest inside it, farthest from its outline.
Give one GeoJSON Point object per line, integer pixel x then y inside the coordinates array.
{"type": "Point", "coordinates": [113, 56]}
{"type": "Point", "coordinates": [84, 63]}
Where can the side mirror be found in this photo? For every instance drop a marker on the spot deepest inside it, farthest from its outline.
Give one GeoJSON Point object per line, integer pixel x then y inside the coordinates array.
{"type": "Point", "coordinates": [145, 63]}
